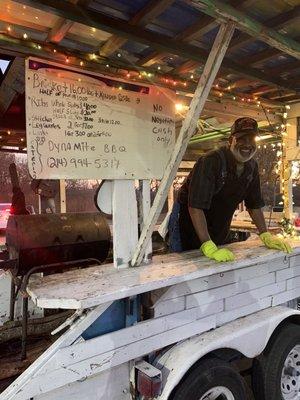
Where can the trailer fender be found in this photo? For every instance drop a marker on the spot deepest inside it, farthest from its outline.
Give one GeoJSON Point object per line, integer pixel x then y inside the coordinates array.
{"type": "Point", "coordinates": [248, 335]}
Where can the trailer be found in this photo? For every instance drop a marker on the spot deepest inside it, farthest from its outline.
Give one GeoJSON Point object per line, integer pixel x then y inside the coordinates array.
{"type": "Point", "coordinates": [200, 318]}
{"type": "Point", "coordinates": [172, 326]}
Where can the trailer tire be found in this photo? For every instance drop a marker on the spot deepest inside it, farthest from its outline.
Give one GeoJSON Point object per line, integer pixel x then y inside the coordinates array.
{"type": "Point", "coordinates": [276, 373]}
{"type": "Point", "coordinates": [210, 376]}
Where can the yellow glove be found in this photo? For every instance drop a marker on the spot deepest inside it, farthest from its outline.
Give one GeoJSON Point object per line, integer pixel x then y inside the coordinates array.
{"type": "Point", "coordinates": [273, 242]}
{"type": "Point", "coordinates": [210, 250]}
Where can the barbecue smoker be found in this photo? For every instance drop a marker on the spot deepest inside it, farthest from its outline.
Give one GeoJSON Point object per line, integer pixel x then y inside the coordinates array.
{"type": "Point", "coordinates": [51, 243]}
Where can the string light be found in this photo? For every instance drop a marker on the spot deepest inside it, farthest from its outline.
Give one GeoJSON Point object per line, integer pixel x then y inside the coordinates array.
{"type": "Point", "coordinates": [192, 76]}
{"type": "Point", "coordinates": [25, 36]}
{"type": "Point", "coordinates": [81, 63]}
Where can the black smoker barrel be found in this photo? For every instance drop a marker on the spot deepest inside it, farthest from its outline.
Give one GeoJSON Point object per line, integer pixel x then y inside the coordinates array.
{"type": "Point", "coordinates": [36, 240]}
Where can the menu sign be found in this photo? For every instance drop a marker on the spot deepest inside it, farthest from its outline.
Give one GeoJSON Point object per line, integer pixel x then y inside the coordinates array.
{"type": "Point", "coordinates": [91, 126]}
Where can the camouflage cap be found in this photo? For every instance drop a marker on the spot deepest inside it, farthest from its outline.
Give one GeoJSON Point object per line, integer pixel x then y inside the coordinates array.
{"type": "Point", "coordinates": [244, 126]}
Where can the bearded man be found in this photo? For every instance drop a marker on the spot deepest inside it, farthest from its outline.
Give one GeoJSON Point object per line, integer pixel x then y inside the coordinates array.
{"type": "Point", "coordinates": [206, 202]}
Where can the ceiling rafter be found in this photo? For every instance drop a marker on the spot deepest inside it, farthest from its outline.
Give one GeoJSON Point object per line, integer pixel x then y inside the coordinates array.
{"type": "Point", "coordinates": [61, 28]}
{"type": "Point", "coordinates": [199, 28]}
{"type": "Point", "coordinates": [276, 22]}
{"type": "Point", "coordinates": [147, 14]}
{"type": "Point", "coordinates": [224, 12]}
{"type": "Point", "coordinates": [157, 41]}
{"type": "Point", "coordinates": [264, 55]}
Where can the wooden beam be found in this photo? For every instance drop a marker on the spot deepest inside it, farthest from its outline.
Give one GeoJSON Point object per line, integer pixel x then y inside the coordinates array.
{"type": "Point", "coordinates": [12, 84]}
{"type": "Point", "coordinates": [262, 90]}
{"type": "Point", "coordinates": [225, 12]}
{"type": "Point", "coordinates": [188, 128]}
{"type": "Point", "coordinates": [159, 42]}
{"type": "Point", "coordinates": [276, 22]}
{"type": "Point", "coordinates": [148, 13]}
{"type": "Point", "coordinates": [187, 66]}
{"type": "Point", "coordinates": [199, 28]}
{"type": "Point", "coordinates": [263, 56]}
{"type": "Point", "coordinates": [286, 67]}
{"type": "Point", "coordinates": [59, 30]}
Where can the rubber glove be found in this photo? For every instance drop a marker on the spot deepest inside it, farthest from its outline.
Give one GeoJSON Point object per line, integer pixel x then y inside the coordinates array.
{"type": "Point", "coordinates": [210, 250]}
{"type": "Point", "coordinates": [273, 242]}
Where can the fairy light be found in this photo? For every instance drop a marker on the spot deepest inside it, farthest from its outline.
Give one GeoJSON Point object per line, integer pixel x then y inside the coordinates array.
{"type": "Point", "coordinates": [179, 107]}
{"type": "Point", "coordinates": [192, 76]}
{"type": "Point", "coordinates": [54, 50]}
{"type": "Point", "coordinates": [81, 63]}
{"type": "Point", "coordinates": [25, 36]}
{"type": "Point", "coordinates": [9, 29]}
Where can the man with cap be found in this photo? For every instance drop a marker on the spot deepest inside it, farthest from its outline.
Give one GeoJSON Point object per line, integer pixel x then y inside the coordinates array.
{"type": "Point", "coordinates": [219, 181]}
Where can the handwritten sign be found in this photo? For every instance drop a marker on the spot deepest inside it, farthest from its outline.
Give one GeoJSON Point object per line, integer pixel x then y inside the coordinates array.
{"type": "Point", "coordinates": [91, 126]}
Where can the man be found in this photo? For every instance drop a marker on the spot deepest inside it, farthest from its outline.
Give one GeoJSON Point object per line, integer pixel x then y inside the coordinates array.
{"type": "Point", "coordinates": [211, 193]}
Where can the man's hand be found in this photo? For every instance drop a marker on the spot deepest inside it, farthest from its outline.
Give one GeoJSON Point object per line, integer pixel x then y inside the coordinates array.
{"type": "Point", "coordinates": [210, 250]}
{"type": "Point", "coordinates": [273, 242]}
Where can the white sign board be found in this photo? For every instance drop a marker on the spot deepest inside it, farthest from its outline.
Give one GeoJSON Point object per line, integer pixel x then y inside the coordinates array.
{"type": "Point", "coordinates": [91, 126]}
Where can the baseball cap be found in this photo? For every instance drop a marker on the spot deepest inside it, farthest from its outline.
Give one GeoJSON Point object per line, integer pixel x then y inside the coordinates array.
{"type": "Point", "coordinates": [244, 126]}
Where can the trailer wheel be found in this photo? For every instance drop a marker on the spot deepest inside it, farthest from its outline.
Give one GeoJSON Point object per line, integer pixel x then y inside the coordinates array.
{"type": "Point", "coordinates": [212, 379]}
{"type": "Point", "coordinates": [276, 373]}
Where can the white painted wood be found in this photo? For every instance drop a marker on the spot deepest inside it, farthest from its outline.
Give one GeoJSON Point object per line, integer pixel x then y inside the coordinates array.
{"type": "Point", "coordinates": [125, 222]}
{"type": "Point", "coordinates": [226, 278]}
{"type": "Point", "coordinates": [244, 299]}
{"type": "Point", "coordinates": [223, 292]}
{"type": "Point", "coordinates": [295, 260]}
{"type": "Point", "coordinates": [98, 387]}
{"type": "Point", "coordinates": [208, 75]}
{"type": "Point", "coordinates": [5, 283]}
{"type": "Point", "coordinates": [232, 315]}
{"type": "Point", "coordinates": [100, 362]}
{"type": "Point", "coordinates": [130, 335]}
{"type": "Point", "coordinates": [145, 208]}
{"type": "Point", "coordinates": [62, 196]}
{"type": "Point", "coordinates": [282, 298]}
{"type": "Point", "coordinates": [287, 273]}
{"type": "Point", "coordinates": [293, 283]}
{"type": "Point", "coordinates": [169, 306]}
{"type": "Point", "coordinates": [119, 127]}
{"type": "Point", "coordinates": [16, 389]}
{"type": "Point", "coordinates": [92, 286]}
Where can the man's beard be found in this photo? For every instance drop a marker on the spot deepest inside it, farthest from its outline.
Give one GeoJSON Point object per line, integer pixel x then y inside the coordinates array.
{"type": "Point", "coordinates": [243, 153]}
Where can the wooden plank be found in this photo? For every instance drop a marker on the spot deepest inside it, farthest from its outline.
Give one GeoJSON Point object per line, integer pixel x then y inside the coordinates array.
{"type": "Point", "coordinates": [124, 337]}
{"type": "Point", "coordinates": [148, 13]}
{"type": "Point", "coordinates": [16, 389]}
{"type": "Point", "coordinates": [125, 222]}
{"type": "Point", "coordinates": [146, 205]}
{"type": "Point", "coordinates": [188, 128]}
{"type": "Point", "coordinates": [275, 22]}
{"type": "Point", "coordinates": [59, 31]}
{"type": "Point", "coordinates": [225, 12]}
{"type": "Point", "coordinates": [101, 362]}
{"type": "Point", "coordinates": [92, 286]}
{"type": "Point", "coordinates": [264, 56]}
{"type": "Point", "coordinates": [195, 31]}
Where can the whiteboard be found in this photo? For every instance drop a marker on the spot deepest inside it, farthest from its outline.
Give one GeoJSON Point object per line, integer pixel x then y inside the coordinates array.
{"type": "Point", "coordinates": [82, 125]}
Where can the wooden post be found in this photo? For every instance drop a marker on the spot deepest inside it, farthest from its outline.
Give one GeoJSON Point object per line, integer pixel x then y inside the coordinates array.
{"type": "Point", "coordinates": [188, 128]}
{"type": "Point", "coordinates": [125, 222]}
{"type": "Point", "coordinates": [62, 196]}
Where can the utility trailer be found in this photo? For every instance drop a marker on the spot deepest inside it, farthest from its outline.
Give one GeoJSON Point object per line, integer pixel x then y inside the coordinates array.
{"type": "Point", "coordinates": [199, 318]}
{"type": "Point", "coordinates": [172, 327]}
